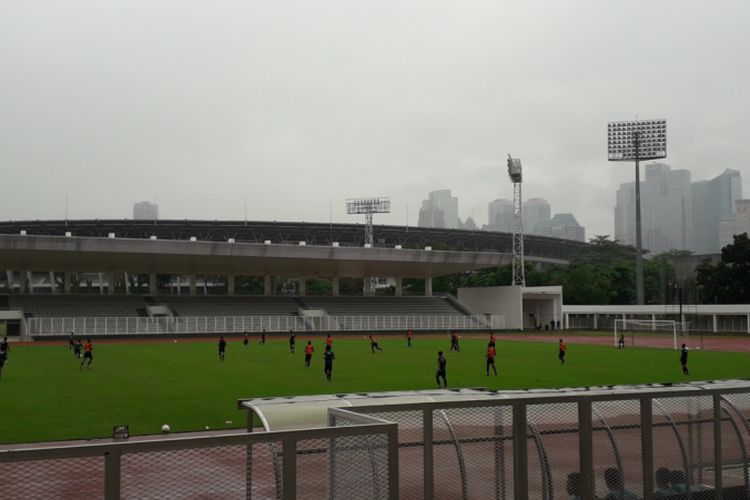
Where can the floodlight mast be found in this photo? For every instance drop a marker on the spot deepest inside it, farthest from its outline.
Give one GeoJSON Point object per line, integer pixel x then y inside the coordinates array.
{"type": "Point", "coordinates": [368, 206]}
{"type": "Point", "coordinates": [515, 174]}
{"type": "Point", "coordinates": [635, 141]}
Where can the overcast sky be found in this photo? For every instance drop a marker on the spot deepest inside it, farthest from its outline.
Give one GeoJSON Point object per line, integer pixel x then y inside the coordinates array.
{"type": "Point", "coordinates": [297, 105]}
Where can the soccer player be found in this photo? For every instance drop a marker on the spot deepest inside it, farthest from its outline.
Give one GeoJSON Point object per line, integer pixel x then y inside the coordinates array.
{"type": "Point", "coordinates": [88, 353]}
{"type": "Point", "coordinates": [441, 373]}
{"type": "Point", "coordinates": [329, 357]}
{"type": "Point", "coordinates": [492, 339]}
{"type": "Point", "coordinates": [683, 359]}
{"type": "Point", "coordinates": [374, 344]}
{"type": "Point", "coordinates": [263, 337]}
{"type": "Point", "coordinates": [491, 358]}
{"type": "Point", "coordinates": [621, 341]}
{"type": "Point", "coordinates": [454, 342]}
{"type": "Point", "coordinates": [309, 350]}
{"type": "Point", "coordinates": [615, 484]}
{"type": "Point", "coordinates": [562, 347]}
{"type": "Point", "coordinates": [77, 348]}
{"type": "Point", "coordinates": [409, 335]}
{"type": "Point", "coordinates": [329, 341]}
{"type": "Point", "coordinates": [3, 357]}
{"type": "Point", "coordinates": [222, 348]}
{"type": "Point", "coordinates": [291, 341]}
{"type": "Point", "coordinates": [4, 346]}
{"type": "Point", "coordinates": [71, 341]}
{"type": "Point", "coordinates": [245, 341]}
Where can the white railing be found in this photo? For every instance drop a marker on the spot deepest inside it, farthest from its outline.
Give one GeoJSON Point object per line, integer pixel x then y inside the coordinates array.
{"type": "Point", "coordinates": [187, 325]}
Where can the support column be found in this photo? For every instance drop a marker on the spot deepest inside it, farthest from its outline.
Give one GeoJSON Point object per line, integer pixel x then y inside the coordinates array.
{"type": "Point", "coordinates": [428, 286]}
{"type": "Point", "coordinates": [230, 284]}
{"type": "Point", "coordinates": [30, 278]}
{"type": "Point", "coordinates": [22, 282]}
{"type": "Point", "coordinates": [101, 283]}
{"type": "Point", "coordinates": [193, 280]}
{"type": "Point", "coordinates": [152, 284]}
{"type": "Point", "coordinates": [399, 286]}
{"type": "Point", "coordinates": [52, 282]}
{"type": "Point", "coordinates": [595, 323]}
{"type": "Point", "coordinates": [179, 284]}
{"type": "Point", "coordinates": [335, 286]}
{"type": "Point", "coordinates": [66, 282]}
{"type": "Point", "coordinates": [9, 279]}
{"type": "Point", "coordinates": [716, 323]}
{"type": "Point", "coordinates": [267, 284]}
{"type": "Point", "coordinates": [302, 286]}
{"type": "Point", "coordinates": [110, 283]}
{"type": "Point", "coordinates": [366, 286]}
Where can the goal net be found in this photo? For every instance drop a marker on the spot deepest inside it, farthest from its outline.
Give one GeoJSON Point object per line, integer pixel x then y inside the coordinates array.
{"type": "Point", "coordinates": [651, 332]}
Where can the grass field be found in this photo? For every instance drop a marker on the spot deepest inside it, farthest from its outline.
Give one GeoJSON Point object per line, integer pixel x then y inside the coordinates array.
{"type": "Point", "coordinates": [45, 396]}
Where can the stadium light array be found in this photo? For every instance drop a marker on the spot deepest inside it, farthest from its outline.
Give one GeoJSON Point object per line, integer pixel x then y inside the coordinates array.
{"type": "Point", "coordinates": [634, 141]}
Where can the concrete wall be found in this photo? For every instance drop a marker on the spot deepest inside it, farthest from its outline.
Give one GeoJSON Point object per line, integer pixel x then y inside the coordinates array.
{"type": "Point", "coordinates": [500, 300]}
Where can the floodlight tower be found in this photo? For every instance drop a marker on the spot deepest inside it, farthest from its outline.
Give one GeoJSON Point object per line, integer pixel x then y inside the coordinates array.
{"type": "Point", "coordinates": [635, 141]}
{"type": "Point", "coordinates": [368, 206]}
{"type": "Point", "coordinates": [514, 172]}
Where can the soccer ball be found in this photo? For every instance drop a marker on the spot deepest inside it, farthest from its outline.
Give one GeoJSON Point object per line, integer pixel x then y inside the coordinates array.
{"type": "Point", "coordinates": [166, 428]}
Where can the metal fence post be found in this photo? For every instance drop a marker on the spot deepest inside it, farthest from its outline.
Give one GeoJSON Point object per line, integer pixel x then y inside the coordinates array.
{"type": "Point", "coordinates": [289, 469]}
{"type": "Point", "coordinates": [112, 474]}
{"type": "Point", "coordinates": [520, 458]}
{"type": "Point", "coordinates": [427, 453]}
{"type": "Point", "coordinates": [393, 477]}
{"type": "Point", "coordinates": [717, 447]}
{"type": "Point", "coordinates": [586, 449]}
{"type": "Point", "coordinates": [647, 446]}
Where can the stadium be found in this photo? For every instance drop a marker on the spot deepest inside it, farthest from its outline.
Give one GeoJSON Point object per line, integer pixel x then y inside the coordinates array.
{"type": "Point", "coordinates": [155, 296]}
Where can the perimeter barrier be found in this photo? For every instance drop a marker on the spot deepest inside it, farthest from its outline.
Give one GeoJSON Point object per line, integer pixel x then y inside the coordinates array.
{"type": "Point", "coordinates": [200, 325]}
{"type": "Point", "coordinates": [351, 462]}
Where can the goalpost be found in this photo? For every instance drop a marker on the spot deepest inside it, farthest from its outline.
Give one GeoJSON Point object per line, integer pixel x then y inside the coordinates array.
{"type": "Point", "coordinates": [654, 326]}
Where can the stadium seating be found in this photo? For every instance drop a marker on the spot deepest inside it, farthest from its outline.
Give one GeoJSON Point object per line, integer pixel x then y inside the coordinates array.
{"type": "Point", "coordinates": [59, 306]}
{"type": "Point", "coordinates": [383, 306]}
{"type": "Point", "coordinates": [225, 305]}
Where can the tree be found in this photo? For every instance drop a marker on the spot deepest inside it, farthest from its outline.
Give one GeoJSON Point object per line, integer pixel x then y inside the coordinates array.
{"type": "Point", "coordinates": [727, 282]}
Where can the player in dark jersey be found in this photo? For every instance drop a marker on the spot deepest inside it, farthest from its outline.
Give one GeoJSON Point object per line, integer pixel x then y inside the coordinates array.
{"type": "Point", "coordinates": [454, 342]}
{"type": "Point", "coordinates": [621, 341]}
{"type": "Point", "coordinates": [263, 337]}
{"type": "Point", "coordinates": [71, 341]}
{"type": "Point", "coordinates": [246, 340]}
{"type": "Point", "coordinates": [684, 359]}
{"type": "Point", "coordinates": [222, 348]}
{"type": "Point", "coordinates": [329, 357]}
{"type": "Point", "coordinates": [309, 350]}
{"type": "Point", "coordinates": [409, 335]}
{"type": "Point", "coordinates": [77, 346]}
{"type": "Point", "coordinates": [491, 358]}
{"type": "Point", "coordinates": [374, 344]}
{"type": "Point", "coordinates": [4, 349]}
{"type": "Point", "coordinates": [88, 353]}
{"type": "Point", "coordinates": [562, 347]}
{"type": "Point", "coordinates": [292, 338]}
{"type": "Point", "coordinates": [441, 373]}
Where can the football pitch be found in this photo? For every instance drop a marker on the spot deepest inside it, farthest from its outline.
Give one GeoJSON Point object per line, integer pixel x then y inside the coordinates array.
{"type": "Point", "coordinates": [44, 395]}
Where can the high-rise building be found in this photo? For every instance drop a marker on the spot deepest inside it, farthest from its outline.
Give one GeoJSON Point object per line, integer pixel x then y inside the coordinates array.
{"type": "Point", "coordinates": [144, 210]}
{"type": "Point", "coordinates": [564, 226]}
{"type": "Point", "coordinates": [713, 202]}
{"type": "Point", "coordinates": [535, 210]}
{"type": "Point", "coordinates": [675, 213]}
{"type": "Point", "coordinates": [440, 209]}
{"type": "Point", "coordinates": [500, 216]}
{"type": "Point", "coordinates": [739, 223]}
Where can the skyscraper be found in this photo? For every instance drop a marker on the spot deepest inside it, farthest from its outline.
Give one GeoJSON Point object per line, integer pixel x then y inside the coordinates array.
{"type": "Point", "coordinates": [144, 210]}
{"type": "Point", "coordinates": [739, 223]}
{"type": "Point", "coordinates": [677, 214]}
{"type": "Point", "coordinates": [500, 216]}
{"type": "Point", "coordinates": [713, 202]}
{"type": "Point", "coordinates": [440, 209]}
{"type": "Point", "coordinates": [535, 210]}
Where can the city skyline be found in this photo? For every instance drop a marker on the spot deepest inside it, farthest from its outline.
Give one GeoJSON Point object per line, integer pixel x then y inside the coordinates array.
{"type": "Point", "coordinates": [290, 109]}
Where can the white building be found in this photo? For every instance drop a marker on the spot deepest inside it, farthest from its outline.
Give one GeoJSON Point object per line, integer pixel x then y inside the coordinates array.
{"type": "Point", "coordinates": [500, 216]}
{"type": "Point", "coordinates": [713, 202]}
{"type": "Point", "coordinates": [144, 210]}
